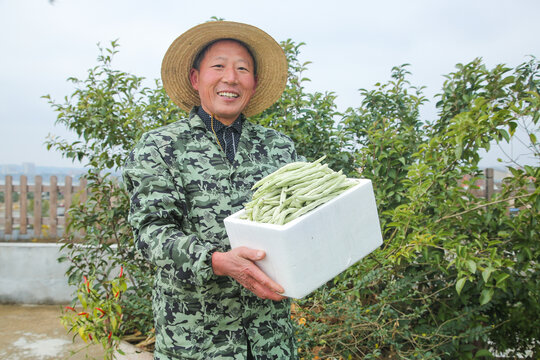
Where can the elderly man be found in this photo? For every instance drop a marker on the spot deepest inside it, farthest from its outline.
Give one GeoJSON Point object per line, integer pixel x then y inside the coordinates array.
{"type": "Point", "coordinates": [211, 302]}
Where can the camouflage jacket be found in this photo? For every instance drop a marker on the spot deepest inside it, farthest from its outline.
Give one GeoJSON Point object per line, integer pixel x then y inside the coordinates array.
{"type": "Point", "coordinates": [182, 187]}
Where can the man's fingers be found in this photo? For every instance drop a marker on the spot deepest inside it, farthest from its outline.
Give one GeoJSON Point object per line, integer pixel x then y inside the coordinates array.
{"type": "Point", "coordinates": [251, 254]}
{"type": "Point", "coordinates": [260, 290]}
{"type": "Point", "coordinates": [257, 273]}
{"type": "Point", "coordinates": [263, 279]}
{"type": "Point", "coordinates": [239, 263]}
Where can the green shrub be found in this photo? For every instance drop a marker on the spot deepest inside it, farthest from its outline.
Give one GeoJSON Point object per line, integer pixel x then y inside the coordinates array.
{"type": "Point", "coordinates": [108, 111]}
{"type": "Point", "coordinates": [457, 275]}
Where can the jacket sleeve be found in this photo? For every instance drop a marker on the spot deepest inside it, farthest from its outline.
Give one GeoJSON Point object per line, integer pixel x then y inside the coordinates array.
{"type": "Point", "coordinates": [157, 210]}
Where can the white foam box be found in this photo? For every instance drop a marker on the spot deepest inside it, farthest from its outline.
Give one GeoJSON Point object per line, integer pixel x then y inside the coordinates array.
{"type": "Point", "coordinates": [309, 251]}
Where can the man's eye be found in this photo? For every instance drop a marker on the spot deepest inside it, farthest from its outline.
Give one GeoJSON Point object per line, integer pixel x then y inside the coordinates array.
{"type": "Point", "coordinates": [217, 66]}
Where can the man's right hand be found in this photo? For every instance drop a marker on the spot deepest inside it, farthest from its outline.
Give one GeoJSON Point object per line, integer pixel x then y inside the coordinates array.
{"type": "Point", "coordinates": [239, 263]}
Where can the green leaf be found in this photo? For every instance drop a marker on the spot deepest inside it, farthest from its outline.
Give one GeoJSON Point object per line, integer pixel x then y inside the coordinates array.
{"type": "Point", "coordinates": [458, 151]}
{"type": "Point", "coordinates": [487, 273]}
{"type": "Point", "coordinates": [504, 134]}
{"type": "Point", "coordinates": [114, 323]}
{"type": "Point", "coordinates": [459, 284]}
{"type": "Point", "coordinates": [486, 296]}
{"type": "Point", "coordinates": [483, 353]}
{"type": "Point", "coordinates": [471, 265]}
{"type": "Point", "coordinates": [82, 300]}
{"type": "Point", "coordinates": [512, 127]}
{"type": "Point", "coordinates": [501, 279]}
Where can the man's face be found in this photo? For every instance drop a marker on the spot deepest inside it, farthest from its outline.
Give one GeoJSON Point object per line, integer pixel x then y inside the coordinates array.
{"type": "Point", "coordinates": [225, 81]}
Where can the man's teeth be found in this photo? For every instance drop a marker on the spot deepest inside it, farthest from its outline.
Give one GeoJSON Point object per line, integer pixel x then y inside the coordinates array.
{"type": "Point", "coordinates": [228, 94]}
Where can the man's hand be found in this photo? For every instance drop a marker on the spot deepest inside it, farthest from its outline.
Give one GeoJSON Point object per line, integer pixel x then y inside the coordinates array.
{"type": "Point", "coordinates": [239, 264]}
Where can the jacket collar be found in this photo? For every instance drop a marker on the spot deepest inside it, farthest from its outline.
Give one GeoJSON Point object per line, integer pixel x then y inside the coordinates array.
{"type": "Point", "coordinates": [194, 120]}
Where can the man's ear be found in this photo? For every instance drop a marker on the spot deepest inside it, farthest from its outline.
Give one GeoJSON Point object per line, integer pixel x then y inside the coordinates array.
{"type": "Point", "coordinates": [194, 78]}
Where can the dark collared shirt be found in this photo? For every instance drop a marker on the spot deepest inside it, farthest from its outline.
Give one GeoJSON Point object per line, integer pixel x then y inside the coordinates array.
{"type": "Point", "coordinates": [227, 136]}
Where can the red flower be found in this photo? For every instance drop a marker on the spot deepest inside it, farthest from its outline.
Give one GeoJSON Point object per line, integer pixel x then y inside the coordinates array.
{"type": "Point", "coordinates": [121, 271]}
{"type": "Point", "coordinates": [70, 308]}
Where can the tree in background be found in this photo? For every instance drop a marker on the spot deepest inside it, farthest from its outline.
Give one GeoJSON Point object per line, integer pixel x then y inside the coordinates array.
{"type": "Point", "coordinates": [311, 120]}
{"type": "Point", "coordinates": [108, 111]}
{"type": "Point", "coordinates": [457, 276]}
{"type": "Point", "coordinates": [386, 132]}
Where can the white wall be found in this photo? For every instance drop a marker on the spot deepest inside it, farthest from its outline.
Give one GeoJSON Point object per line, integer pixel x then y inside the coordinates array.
{"type": "Point", "coordinates": [30, 274]}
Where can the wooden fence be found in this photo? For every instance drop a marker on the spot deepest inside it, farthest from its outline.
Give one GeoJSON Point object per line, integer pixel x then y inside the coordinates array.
{"type": "Point", "coordinates": [36, 220]}
{"type": "Point", "coordinates": [67, 191]}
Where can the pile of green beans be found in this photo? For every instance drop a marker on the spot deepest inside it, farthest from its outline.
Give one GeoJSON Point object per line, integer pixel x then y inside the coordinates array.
{"type": "Point", "coordinates": [293, 190]}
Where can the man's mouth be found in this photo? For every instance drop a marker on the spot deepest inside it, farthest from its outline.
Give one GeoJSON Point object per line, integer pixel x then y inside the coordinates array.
{"type": "Point", "coordinates": [227, 94]}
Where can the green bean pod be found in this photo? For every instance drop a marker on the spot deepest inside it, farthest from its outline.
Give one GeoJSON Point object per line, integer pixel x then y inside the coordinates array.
{"type": "Point", "coordinates": [293, 190]}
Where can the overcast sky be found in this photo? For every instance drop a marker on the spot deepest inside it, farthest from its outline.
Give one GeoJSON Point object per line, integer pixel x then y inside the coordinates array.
{"type": "Point", "coordinates": [353, 44]}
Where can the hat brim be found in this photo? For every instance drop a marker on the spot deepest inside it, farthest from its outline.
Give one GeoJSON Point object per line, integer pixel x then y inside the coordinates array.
{"type": "Point", "coordinates": [269, 56]}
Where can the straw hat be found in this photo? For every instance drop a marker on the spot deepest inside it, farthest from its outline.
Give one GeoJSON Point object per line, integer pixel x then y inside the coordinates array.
{"type": "Point", "coordinates": [269, 56]}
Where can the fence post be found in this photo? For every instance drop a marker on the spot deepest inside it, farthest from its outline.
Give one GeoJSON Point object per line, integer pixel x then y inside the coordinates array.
{"type": "Point", "coordinates": [53, 202]}
{"type": "Point", "coordinates": [38, 189]}
{"type": "Point", "coordinates": [23, 197]}
{"type": "Point", "coordinates": [8, 197]}
{"type": "Point", "coordinates": [82, 189]}
{"type": "Point", "coordinates": [68, 190]}
{"type": "Point", "coordinates": [83, 197]}
{"type": "Point", "coordinates": [489, 188]}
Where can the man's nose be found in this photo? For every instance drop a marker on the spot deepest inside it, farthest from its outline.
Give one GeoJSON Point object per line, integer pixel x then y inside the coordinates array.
{"type": "Point", "coordinates": [229, 75]}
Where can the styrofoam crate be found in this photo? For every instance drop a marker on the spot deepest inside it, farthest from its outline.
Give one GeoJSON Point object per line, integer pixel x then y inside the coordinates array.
{"type": "Point", "coordinates": [307, 252]}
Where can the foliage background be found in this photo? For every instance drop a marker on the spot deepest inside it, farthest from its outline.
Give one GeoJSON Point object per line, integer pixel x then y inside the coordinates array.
{"type": "Point", "coordinates": [457, 276]}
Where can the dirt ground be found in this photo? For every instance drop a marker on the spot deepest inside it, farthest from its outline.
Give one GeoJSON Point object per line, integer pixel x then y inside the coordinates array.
{"type": "Point", "coordinates": [34, 332]}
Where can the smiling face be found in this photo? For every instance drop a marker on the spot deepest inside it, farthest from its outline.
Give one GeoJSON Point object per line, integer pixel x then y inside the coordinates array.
{"type": "Point", "coordinates": [225, 80]}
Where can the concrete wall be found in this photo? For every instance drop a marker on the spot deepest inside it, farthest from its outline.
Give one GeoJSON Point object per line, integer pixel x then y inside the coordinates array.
{"type": "Point", "coordinates": [30, 274]}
